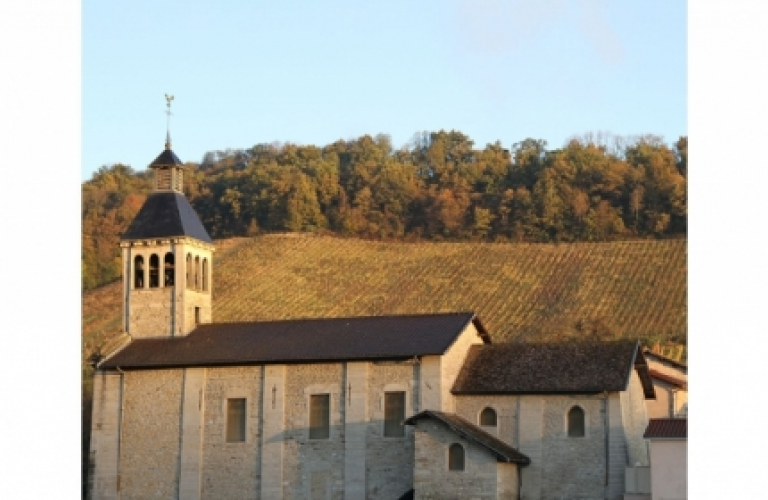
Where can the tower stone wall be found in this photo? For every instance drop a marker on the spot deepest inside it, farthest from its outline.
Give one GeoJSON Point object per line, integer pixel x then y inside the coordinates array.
{"type": "Point", "coordinates": [174, 306]}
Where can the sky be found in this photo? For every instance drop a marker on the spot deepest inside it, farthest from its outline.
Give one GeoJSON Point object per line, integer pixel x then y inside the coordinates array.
{"type": "Point", "coordinates": [250, 72]}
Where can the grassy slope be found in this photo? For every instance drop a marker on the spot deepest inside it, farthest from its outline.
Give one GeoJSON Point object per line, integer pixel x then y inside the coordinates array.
{"type": "Point", "coordinates": [520, 291]}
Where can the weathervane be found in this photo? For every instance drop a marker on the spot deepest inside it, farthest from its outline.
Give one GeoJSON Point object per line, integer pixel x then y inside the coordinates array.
{"type": "Point", "coordinates": [168, 99]}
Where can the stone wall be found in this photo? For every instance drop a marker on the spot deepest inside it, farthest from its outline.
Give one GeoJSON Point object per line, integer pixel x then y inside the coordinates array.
{"type": "Point", "coordinates": [313, 468]}
{"type": "Point", "coordinates": [231, 470]}
{"type": "Point", "coordinates": [635, 421]}
{"type": "Point", "coordinates": [431, 477]}
{"type": "Point", "coordinates": [165, 310]}
{"type": "Point", "coordinates": [105, 435]}
{"type": "Point", "coordinates": [149, 450]}
{"type": "Point", "coordinates": [451, 363]}
{"type": "Point", "coordinates": [470, 406]}
{"type": "Point", "coordinates": [573, 467]}
{"type": "Point", "coordinates": [561, 466]}
{"type": "Point", "coordinates": [389, 460]}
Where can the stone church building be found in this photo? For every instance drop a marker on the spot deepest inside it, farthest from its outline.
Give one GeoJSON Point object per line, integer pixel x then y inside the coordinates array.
{"type": "Point", "coordinates": [385, 407]}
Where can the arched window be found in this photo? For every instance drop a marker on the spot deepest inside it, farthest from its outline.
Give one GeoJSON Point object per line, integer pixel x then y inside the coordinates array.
{"type": "Point", "coordinates": [488, 417]}
{"type": "Point", "coordinates": [189, 270]}
{"type": "Point", "coordinates": [575, 422]}
{"type": "Point", "coordinates": [197, 273]}
{"type": "Point", "coordinates": [154, 271]}
{"type": "Point", "coordinates": [205, 275]}
{"type": "Point", "coordinates": [168, 271]}
{"type": "Point", "coordinates": [138, 272]}
{"type": "Point", "coordinates": [456, 457]}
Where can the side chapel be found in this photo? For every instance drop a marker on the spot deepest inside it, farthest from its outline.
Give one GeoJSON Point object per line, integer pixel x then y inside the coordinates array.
{"type": "Point", "coordinates": [386, 407]}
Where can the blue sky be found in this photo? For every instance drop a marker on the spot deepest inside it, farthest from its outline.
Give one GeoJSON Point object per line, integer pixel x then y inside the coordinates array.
{"type": "Point", "coordinates": [248, 72]}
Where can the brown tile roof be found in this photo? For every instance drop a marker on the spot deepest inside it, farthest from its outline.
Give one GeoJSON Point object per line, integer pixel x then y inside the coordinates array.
{"type": "Point", "coordinates": [540, 368]}
{"type": "Point", "coordinates": [667, 428]}
{"type": "Point", "coordinates": [668, 379]}
{"type": "Point", "coordinates": [296, 341]}
{"type": "Point", "coordinates": [465, 429]}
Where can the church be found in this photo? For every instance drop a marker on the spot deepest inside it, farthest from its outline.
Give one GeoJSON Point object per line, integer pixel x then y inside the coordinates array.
{"type": "Point", "coordinates": [380, 407]}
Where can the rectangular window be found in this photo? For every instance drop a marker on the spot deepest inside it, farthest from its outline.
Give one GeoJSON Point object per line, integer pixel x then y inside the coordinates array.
{"type": "Point", "coordinates": [394, 414]}
{"type": "Point", "coordinates": [236, 420]}
{"type": "Point", "coordinates": [320, 416]}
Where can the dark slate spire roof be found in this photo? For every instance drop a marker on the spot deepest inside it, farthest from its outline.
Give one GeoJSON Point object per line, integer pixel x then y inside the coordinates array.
{"type": "Point", "coordinates": [501, 450]}
{"type": "Point", "coordinates": [167, 159]}
{"type": "Point", "coordinates": [299, 341]}
{"type": "Point", "coordinates": [166, 215]}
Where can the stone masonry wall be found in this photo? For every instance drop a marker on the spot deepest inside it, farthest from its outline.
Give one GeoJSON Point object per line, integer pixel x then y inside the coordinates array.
{"type": "Point", "coordinates": [561, 467]}
{"type": "Point", "coordinates": [231, 470]}
{"type": "Point", "coordinates": [451, 363]}
{"type": "Point", "coordinates": [149, 453]}
{"type": "Point", "coordinates": [431, 477]}
{"type": "Point", "coordinates": [105, 435]}
{"type": "Point", "coordinates": [152, 311]}
{"type": "Point", "coordinates": [470, 406]}
{"type": "Point", "coordinates": [635, 420]}
{"type": "Point", "coordinates": [313, 469]}
{"type": "Point", "coordinates": [573, 468]}
{"type": "Point", "coordinates": [389, 460]}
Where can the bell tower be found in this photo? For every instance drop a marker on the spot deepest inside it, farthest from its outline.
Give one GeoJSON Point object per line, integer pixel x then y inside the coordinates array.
{"type": "Point", "coordinates": [167, 258]}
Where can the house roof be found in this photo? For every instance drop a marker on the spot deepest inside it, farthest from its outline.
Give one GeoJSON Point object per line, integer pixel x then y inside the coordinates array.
{"type": "Point", "coordinates": [467, 430]}
{"type": "Point", "coordinates": [540, 368]}
{"type": "Point", "coordinates": [669, 379]}
{"type": "Point", "coordinates": [166, 214]}
{"type": "Point", "coordinates": [302, 340]}
{"type": "Point", "coordinates": [666, 428]}
{"type": "Point", "coordinates": [663, 359]}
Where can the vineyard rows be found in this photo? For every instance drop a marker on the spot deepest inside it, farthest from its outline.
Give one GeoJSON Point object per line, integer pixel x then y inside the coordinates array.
{"type": "Point", "coordinates": [633, 289]}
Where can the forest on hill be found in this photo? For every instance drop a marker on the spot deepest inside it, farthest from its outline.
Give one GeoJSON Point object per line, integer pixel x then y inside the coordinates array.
{"type": "Point", "coordinates": [439, 187]}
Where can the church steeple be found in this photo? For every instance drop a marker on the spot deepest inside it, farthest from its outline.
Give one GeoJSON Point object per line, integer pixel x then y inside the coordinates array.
{"type": "Point", "coordinates": [167, 258]}
{"type": "Point", "coordinates": [169, 170]}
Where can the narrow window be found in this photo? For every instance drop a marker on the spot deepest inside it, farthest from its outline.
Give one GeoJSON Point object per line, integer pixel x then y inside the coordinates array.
{"type": "Point", "coordinates": [189, 270]}
{"type": "Point", "coordinates": [154, 271]}
{"type": "Point", "coordinates": [320, 416]}
{"type": "Point", "coordinates": [488, 417]}
{"type": "Point", "coordinates": [205, 275]}
{"type": "Point", "coordinates": [168, 272]}
{"type": "Point", "coordinates": [197, 315]}
{"type": "Point", "coordinates": [197, 273]}
{"type": "Point", "coordinates": [138, 272]}
{"type": "Point", "coordinates": [575, 422]}
{"type": "Point", "coordinates": [394, 414]}
{"type": "Point", "coordinates": [456, 457]}
{"type": "Point", "coordinates": [236, 420]}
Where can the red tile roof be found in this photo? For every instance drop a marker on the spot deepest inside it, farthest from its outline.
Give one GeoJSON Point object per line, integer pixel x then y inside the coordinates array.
{"type": "Point", "coordinates": [666, 428]}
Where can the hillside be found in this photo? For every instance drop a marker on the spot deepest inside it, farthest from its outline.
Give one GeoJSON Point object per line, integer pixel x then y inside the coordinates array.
{"type": "Point", "coordinates": [521, 292]}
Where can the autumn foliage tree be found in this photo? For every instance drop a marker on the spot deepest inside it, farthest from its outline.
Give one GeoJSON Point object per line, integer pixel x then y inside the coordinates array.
{"type": "Point", "coordinates": [439, 186]}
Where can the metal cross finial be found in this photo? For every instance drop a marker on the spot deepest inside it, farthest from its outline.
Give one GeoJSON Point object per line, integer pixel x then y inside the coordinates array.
{"type": "Point", "coordinates": [168, 99]}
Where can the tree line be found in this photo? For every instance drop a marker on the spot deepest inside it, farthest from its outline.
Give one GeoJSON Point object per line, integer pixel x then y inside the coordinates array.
{"type": "Point", "coordinates": [597, 187]}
